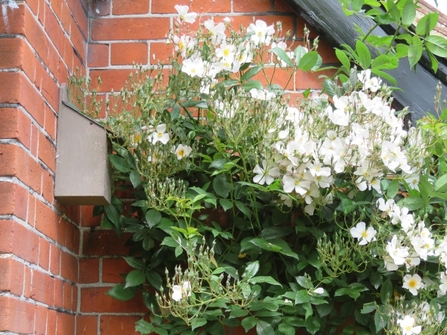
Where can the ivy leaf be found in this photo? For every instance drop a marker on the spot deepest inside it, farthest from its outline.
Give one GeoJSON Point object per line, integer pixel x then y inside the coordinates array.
{"type": "Point", "coordinates": [135, 278]}
{"type": "Point", "coordinates": [153, 217]}
{"type": "Point", "coordinates": [119, 292]}
{"type": "Point", "coordinates": [437, 45]}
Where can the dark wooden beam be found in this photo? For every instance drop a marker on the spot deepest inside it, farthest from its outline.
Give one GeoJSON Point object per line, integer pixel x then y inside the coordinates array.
{"type": "Point", "coordinates": [327, 18]}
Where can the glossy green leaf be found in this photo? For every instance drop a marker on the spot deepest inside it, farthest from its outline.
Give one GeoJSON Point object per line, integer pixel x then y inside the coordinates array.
{"type": "Point", "coordinates": [144, 327]}
{"type": "Point", "coordinates": [408, 13]}
{"type": "Point", "coordinates": [427, 23]}
{"type": "Point", "coordinates": [154, 279]}
{"type": "Point", "coordinates": [112, 214]}
{"type": "Point", "coordinates": [441, 184]}
{"type": "Point", "coordinates": [364, 55]}
{"type": "Point", "coordinates": [386, 292]}
{"type": "Point", "coordinates": [136, 263]}
{"type": "Point", "coordinates": [286, 329]}
{"type": "Point", "coordinates": [135, 178]}
{"type": "Point", "coordinates": [119, 292]}
{"type": "Point", "coordinates": [119, 163]}
{"type": "Point", "coordinates": [251, 270]}
{"type": "Point", "coordinates": [308, 61]}
{"type": "Point", "coordinates": [135, 278]}
{"type": "Point", "coordinates": [226, 204]}
{"type": "Point", "coordinates": [264, 328]}
{"type": "Point", "coordinates": [153, 217]}
{"type": "Point", "coordinates": [282, 55]}
{"type": "Point", "coordinates": [221, 186]}
{"type": "Point", "coordinates": [299, 52]}
{"type": "Point", "coordinates": [329, 87]}
{"type": "Point", "coordinates": [248, 323]}
{"type": "Point", "coordinates": [253, 71]}
{"type": "Point", "coordinates": [415, 51]}
{"type": "Point", "coordinates": [264, 279]}
{"type": "Point", "coordinates": [437, 45]}
{"type": "Point", "coordinates": [198, 322]}
{"type": "Point", "coordinates": [413, 203]}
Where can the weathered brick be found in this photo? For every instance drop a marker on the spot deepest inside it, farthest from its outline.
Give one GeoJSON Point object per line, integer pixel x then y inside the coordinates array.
{"type": "Point", "coordinates": [253, 6]}
{"type": "Point", "coordinates": [65, 324]}
{"type": "Point", "coordinates": [44, 253]}
{"type": "Point", "coordinates": [17, 315]}
{"type": "Point", "coordinates": [14, 124]}
{"type": "Point", "coordinates": [69, 266]}
{"type": "Point", "coordinates": [98, 55]}
{"type": "Point", "coordinates": [11, 276]}
{"type": "Point", "coordinates": [104, 242]}
{"type": "Point", "coordinates": [86, 325]}
{"type": "Point", "coordinates": [111, 79]}
{"type": "Point", "coordinates": [14, 200]}
{"type": "Point", "coordinates": [42, 287]}
{"type": "Point", "coordinates": [46, 220]}
{"type": "Point", "coordinates": [88, 270]}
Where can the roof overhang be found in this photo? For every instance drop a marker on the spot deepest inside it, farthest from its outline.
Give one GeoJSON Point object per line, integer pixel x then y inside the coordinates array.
{"type": "Point", "coordinates": [418, 87]}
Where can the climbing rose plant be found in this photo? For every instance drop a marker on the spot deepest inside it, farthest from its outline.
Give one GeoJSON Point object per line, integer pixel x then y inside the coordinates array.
{"type": "Point", "coordinates": [248, 207]}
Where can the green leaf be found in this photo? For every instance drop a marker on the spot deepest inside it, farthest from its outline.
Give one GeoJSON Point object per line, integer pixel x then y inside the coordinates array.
{"type": "Point", "coordinates": [437, 45]}
{"type": "Point", "coordinates": [427, 24]}
{"type": "Point", "coordinates": [329, 87]}
{"type": "Point", "coordinates": [425, 188]}
{"type": "Point", "coordinates": [344, 60]}
{"type": "Point", "coordinates": [299, 53]}
{"type": "Point", "coordinates": [154, 279]}
{"type": "Point", "coordinates": [392, 189]}
{"type": "Point", "coordinates": [119, 163]}
{"type": "Point", "coordinates": [244, 209]}
{"type": "Point", "coordinates": [253, 71]}
{"type": "Point", "coordinates": [135, 278]}
{"type": "Point", "coordinates": [301, 297]}
{"type": "Point", "coordinates": [282, 55]}
{"type": "Point", "coordinates": [153, 217]}
{"type": "Point", "coordinates": [441, 184]}
{"type": "Point", "coordinates": [408, 13]}
{"type": "Point", "coordinates": [308, 61]}
{"type": "Point", "coordinates": [221, 186]}
{"type": "Point", "coordinates": [198, 322]}
{"type": "Point", "coordinates": [364, 56]}
{"type": "Point", "coordinates": [119, 292]}
{"type": "Point", "coordinates": [251, 269]}
{"type": "Point", "coordinates": [312, 325]}
{"type": "Point", "coordinates": [252, 84]}
{"type": "Point", "coordinates": [415, 51]}
{"type": "Point", "coordinates": [379, 322]}
{"type": "Point", "coordinates": [386, 292]}
{"type": "Point", "coordinates": [112, 214]}
{"type": "Point", "coordinates": [384, 75]}
{"type": "Point", "coordinates": [264, 328]}
{"type": "Point", "coordinates": [248, 323]}
{"type": "Point", "coordinates": [237, 312]}
{"type": "Point", "coordinates": [226, 204]}
{"type": "Point", "coordinates": [136, 263]}
{"type": "Point", "coordinates": [368, 308]}
{"type": "Point", "coordinates": [385, 62]}
{"type": "Point", "coordinates": [144, 327]}
{"type": "Point", "coordinates": [135, 178]}
{"type": "Point", "coordinates": [413, 203]}
{"type": "Point", "coordinates": [286, 329]}
{"type": "Point", "coordinates": [264, 279]}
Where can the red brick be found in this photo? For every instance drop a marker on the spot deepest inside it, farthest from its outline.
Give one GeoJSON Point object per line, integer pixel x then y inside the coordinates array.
{"type": "Point", "coordinates": [327, 52]}
{"type": "Point", "coordinates": [11, 276]}
{"type": "Point", "coordinates": [52, 27]}
{"type": "Point", "coordinates": [16, 162]}
{"type": "Point", "coordinates": [17, 315]}
{"type": "Point", "coordinates": [305, 80]}
{"type": "Point", "coordinates": [31, 217]}
{"type": "Point", "coordinates": [281, 6]}
{"type": "Point", "coordinates": [86, 325]}
{"type": "Point", "coordinates": [34, 140]}
{"type": "Point", "coordinates": [14, 124]}
{"type": "Point", "coordinates": [104, 242]}
{"type": "Point", "coordinates": [6, 236]}
{"type": "Point", "coordinates": [68, 295]}
{"type": "Point", "coordinates": [14, 200]}
{"type": "Point", "coordinates": [111, 79]}
{"type": "Point", "coordinates": [15, 53]}
{"type": "Point", "coordinates": [160, 52]}
{"type": "Point", "coordinates": [117, 325]}
{"type": "Point", "coordinates": [95, 300]}
{"type": "Point", "coordinates": [282, 77]}
{"type": "Point", "coordinates": [50, 121]}
{"type": "Point", "coordinates": [44, 254]}
{"type": "Point", "coordinates": [42, 287]}
{"type": "Point", "coordinates": [198, 6]}
{"type": "Point", "coordinates": [253, 6]}
{"type": "Point", "coordinates": [79, 41]}
{"type": "Point", "coordinates": [21, 91]}
{"type": "Point", "coordinates": [16, 20]}
{"type": "Point", "coordinates": [88, 270]}
{"type": "Point", "coordinates": [51, 322]}
{"type": "Point", "coordinates": [47, 152]}
{"type": "Point", "coordinates": [112, 268]}
{"type": "Point", "coordinates": [130, 7]}
{"type": "Point", "coordinates": [41, 320]}
{"type": "Point", "coordinates": [100, 8]}
{"type": "Point", "coordinates": [98, 55]}
{"type": "Point", "coordinates": [80, 14]}
{"type": "Point", "coordinates": [69, 267]}
{"type": "Point", "coordinates": [87, 218]}
{"type": "Point", "coordinates": [128, 28]}
{"type": "Point", "coordinates": [65, 324]}
{"type": "Point", "coordinates": [26, 244]}
{"type": "Point", "coordinates": [73, 213]}
{"type": "Point", "coordinates": [50, 90]}
{"type": "Point", "coordinates": [128, 53]}
{"type": "Point", "coordinates": [46, 220]}
{"type": "Point", "coordinates": [58, 301]}
{"type": "Point", "coordinates": [55, 260]}
{"type": "Point", "coordinates": [47, 186]}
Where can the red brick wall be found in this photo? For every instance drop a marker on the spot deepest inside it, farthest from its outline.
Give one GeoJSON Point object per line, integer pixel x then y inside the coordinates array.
{"type": "Point", "coordinates": [56, 263]}
{"type": "Point", "coordinates": [40, 43]}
